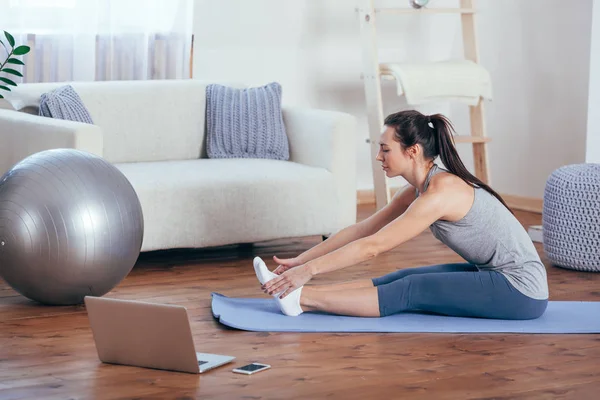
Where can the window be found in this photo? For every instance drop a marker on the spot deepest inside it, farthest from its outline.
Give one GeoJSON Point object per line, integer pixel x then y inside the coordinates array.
{"type": "Point", "coordinates": [101, 39]}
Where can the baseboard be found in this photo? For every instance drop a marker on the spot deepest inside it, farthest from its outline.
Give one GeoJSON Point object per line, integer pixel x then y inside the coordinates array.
{"type": "Point", "coordinates": [531, 204]}
{"type": "Point", "coordinates": [536, 233]}
{"type": "Point", "coordinates": [367, 196]}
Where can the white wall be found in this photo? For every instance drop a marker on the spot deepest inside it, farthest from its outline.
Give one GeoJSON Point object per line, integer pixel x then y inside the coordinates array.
{"type": "Point", "coordinates": [539, 67]}
{"type": "Point", "coordinates": [538, 54]}
{"type": "Point", "coordinates": [592, 154]}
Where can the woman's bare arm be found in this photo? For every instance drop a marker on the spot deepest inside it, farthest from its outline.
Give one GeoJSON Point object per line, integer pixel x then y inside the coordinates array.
{"type": "Point", "coordinates": [424, 211]}
{"type": "Point", "coordinates": [398, 205]}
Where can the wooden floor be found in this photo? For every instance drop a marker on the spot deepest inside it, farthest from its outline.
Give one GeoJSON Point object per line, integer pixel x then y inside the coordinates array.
{"type": "Point", "coordinates": [48, 352]}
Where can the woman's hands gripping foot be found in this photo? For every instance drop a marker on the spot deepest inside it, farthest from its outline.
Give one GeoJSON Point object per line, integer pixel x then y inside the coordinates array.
{"type": "Point", "coordinates": [286, 288]}
{"type": "Point", "coordinates": [285, 264]}
{"type": "Point", "coordinates": [289, 281]}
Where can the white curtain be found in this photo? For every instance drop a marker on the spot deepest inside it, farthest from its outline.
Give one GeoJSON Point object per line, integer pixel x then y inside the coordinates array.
{"type": "Point", "coordinates": [84, 40]}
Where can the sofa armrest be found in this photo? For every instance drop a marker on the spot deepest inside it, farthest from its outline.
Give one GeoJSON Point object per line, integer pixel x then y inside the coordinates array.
{"type": "Point", "coordinates": [22, 135]}
{"type": "Point", "coordinates": [320, 138]}
{"type": "Point", "coordinates": [326, 139]}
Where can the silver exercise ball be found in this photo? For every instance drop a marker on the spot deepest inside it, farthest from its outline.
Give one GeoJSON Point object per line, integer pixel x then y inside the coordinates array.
{"type": "Point", "coordinates": [71, 225]}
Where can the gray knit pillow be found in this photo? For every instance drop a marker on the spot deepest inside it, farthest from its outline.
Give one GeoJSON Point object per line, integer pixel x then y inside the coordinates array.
{"type": "Point", "coordinates": [64, 103]}
{"type": "Point", "coordinates": [245, 123]}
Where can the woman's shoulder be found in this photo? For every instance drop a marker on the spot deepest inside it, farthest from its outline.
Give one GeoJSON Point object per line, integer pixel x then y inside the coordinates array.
{"type": "Point", "coordinates": [454, 194]}
{"type": "Point", "coordinates": [445, 181]}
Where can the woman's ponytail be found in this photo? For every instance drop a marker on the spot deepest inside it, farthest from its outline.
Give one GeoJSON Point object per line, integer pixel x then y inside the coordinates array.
{"type": "Point", "coordinates": [444, 138]}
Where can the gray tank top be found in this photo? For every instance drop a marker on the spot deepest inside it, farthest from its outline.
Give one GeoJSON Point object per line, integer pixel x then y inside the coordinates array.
{"type": "Point", "coordinates": [491, 238]}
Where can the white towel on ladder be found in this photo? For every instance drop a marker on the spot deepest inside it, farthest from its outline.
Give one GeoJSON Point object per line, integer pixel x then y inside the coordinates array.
{"type": "Point", "coordinates": [460, 80]}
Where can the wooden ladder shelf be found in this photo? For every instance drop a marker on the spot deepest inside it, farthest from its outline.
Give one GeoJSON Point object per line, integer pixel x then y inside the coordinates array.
{"type": "Point", "coordinates": [373, 72]}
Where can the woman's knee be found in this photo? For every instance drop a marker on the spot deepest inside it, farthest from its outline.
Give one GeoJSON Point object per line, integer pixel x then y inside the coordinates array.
{"type": "Point", "coordinates": [389, 278]}
{"type": "Point", "coordinates": [393, 297]}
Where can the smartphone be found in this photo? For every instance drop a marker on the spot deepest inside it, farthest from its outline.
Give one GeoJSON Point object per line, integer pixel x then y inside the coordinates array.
{"type": "Point", "coordinates": [251, 368]}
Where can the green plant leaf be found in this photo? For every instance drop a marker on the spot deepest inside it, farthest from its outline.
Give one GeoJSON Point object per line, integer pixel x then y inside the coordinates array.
{"type": "Point", "coordinates": [1, 97]}
{"type": "Point", "coordinates": [12, 71]}
{"type": "Point", "coordinates": [15, 61]}
{"type": "Point", "coordinates": [10, 38]}
{"type": "Point", "coordinates": [19, 51]}
{"type": "Point", "coordinates": [7, 81]}
{"type": "Point", "coordinates": [5, 88]}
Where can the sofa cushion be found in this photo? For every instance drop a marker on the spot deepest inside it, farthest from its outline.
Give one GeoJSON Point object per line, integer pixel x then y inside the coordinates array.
{"type": "Point", "coordinates": [64, 103]}
{"type": "Point", "coordinates": [146, 120]}
{"type": "Point", "coordinates": [238, 201]}
{"type": "Point", "coordinates": [245, 123]}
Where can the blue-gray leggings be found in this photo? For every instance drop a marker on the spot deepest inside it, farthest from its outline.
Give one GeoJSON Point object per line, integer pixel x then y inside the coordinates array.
{"type": "Point", "coordinates": [455, 289]}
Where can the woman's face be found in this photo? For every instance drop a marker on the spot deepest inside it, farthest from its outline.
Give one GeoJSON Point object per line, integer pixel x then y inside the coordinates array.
{"type": "Point", "coordinates": [394, 160]}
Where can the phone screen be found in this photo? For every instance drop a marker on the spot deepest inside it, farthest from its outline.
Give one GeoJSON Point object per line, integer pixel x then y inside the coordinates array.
{"type": "Point", "coordinates": [251, 367]}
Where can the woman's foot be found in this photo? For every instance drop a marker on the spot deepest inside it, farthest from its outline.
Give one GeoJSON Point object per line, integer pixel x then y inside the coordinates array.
{"type": "Point", "coordinates": [262, 272]}
{"type": "Point", "coordinates": [290, 305]}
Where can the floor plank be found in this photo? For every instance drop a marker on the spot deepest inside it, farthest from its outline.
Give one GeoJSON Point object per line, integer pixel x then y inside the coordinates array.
{"type": "Point", "coordinates": [48, 352]}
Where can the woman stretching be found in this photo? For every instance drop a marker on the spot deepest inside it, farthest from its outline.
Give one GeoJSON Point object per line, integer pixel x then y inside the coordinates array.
{"type": "Point", "coordinates": [503, 277]}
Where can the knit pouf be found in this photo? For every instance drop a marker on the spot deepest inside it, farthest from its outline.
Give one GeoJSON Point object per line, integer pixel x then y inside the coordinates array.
{"type": "Point", "coordinates": [571, 217]}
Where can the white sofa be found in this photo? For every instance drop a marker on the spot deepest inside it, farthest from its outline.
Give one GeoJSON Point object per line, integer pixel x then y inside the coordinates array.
{"type": "Point", "coordinates": [154, 132]}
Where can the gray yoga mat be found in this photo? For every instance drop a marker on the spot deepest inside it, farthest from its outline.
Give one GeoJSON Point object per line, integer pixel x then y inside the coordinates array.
{"type": "Point", "coordinates": [264, 315]}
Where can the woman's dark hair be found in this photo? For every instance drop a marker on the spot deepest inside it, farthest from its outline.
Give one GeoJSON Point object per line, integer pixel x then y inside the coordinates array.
{"type": "Point", "coordinates": [411, 128]}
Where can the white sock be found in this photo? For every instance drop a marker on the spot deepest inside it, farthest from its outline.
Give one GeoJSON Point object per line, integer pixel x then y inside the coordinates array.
{"type": "Point", "coordinates": [290, 304]}
{"type": "Point", "coordinates": [262, 272]}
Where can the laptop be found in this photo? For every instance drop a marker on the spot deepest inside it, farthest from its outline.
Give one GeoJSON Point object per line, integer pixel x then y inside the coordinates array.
{"type": "Point", "coordinates": [149, 335]}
